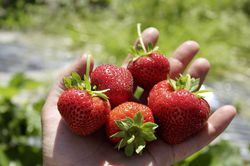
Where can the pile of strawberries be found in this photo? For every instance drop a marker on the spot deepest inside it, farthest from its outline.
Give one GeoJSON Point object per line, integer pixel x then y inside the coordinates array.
{"type": "Point", "coordinates": [174, 111]}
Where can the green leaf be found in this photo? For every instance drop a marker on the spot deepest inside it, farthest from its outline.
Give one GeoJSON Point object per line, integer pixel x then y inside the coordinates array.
{"type": "Point", "coordinates": [187, 82]}
{"type": "Point", "coordinates": [133, 51]}
{"type": "Point", "coordinates": [139, 149]}
{"type": "Point", "coordinates": [149, 136]}
{"type": "Point", "coordinates": [149, 126]}
{"type": "Point", "coordinates": [138, 119]}
{"type": "Point", "coordinates": [99, 94]}
{"type": "Point", "coordinates": [74, 81]}
{"type": "Point", "coordinates": [135, 132]}
{"type": "Point", "coordinates": [155, 49]}
{"type": "Point", "coordinates": [126, 126]}
{"type": "Point", "coordinates": [119, 124]}
{"type": "Point", "coordinates": [128, 121]}
{"type": "Point", "coordinates": [199, 93]}
{"type": "Point", "coordinates": [76, 77]}
{"type": "Point", "coordinates": [122, 143]}
{"type": "Point", "coordinates": [67, 82]}
{"type": "Point", "coordinates": [119, 134]}
{"type": "Point", "coordinates": [195, 85]}
{"type": "Point", "coordinates": [203, 91]}
{"type": "Point", "coordinates": [129, 150]}
{"type": "Point", "coordinates": [122, 125]}
{"type": "Point", "coordinates": [131, 139]}
{"type": "Point", "coordinates": [173, 84]}
{"type": "Point", "coordinates": [140, 144]}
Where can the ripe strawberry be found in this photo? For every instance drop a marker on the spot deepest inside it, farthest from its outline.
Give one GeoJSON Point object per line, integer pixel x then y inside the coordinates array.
{"type": "Point", "coordinates": [118, 80]}
{"type": "Point", "coordinates": [84, 110]}
{"type": "Point", "coordinates": [178, 108]}
{"type": "Point", "coordinates": [148, 67]}
{"type": "Point", "coordinates": [131, 125]}
{"type": "Point", "coordinates": [83, 113]}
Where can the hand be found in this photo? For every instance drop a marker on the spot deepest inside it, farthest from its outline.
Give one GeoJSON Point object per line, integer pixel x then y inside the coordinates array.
{"type": "Point", "coordinates": [62, 147]}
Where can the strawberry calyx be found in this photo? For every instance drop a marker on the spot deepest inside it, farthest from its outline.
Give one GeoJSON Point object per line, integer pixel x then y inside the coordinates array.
{"type": "Point", "coordinates": [134, 134]}
{"type": "Point", "coordinates": [75, 81]}
{"type": "Point", "coordinates": [141, 50]}
{"type": "Point", "coordinates": [188, 83]}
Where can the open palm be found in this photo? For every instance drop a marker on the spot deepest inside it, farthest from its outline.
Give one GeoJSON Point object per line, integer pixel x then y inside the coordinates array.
{"type": "Point", "coordinates": [62, 147]}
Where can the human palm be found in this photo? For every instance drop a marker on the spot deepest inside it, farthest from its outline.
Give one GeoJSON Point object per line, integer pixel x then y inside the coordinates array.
{"type": "Point", "coordinates": [62, 147]}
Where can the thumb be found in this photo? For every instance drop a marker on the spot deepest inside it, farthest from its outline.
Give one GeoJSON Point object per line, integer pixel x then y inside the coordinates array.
{"type": "Point", "coordinates": [79, 66]}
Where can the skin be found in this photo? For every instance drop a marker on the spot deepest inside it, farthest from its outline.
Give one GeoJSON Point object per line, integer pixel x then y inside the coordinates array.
{"type": "Point", "coordinates": [62, 147]}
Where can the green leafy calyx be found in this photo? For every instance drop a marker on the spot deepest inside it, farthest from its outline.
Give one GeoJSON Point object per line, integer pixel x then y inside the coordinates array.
{"type": "Point", "coordinates": [141, 50]}
{"type": "Point", "coordinates": [134, 134]}
{"type": "Point", "coordinates": [74, 81]}
{"type": "Point", "coordinates": [188, 83]}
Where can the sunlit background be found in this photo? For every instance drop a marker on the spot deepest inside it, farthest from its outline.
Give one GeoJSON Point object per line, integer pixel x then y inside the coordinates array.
{"type": "Point", "coordinates": [40, 37]}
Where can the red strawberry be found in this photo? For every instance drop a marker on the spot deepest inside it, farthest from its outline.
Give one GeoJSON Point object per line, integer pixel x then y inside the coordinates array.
{"type": "Point", "coordinates": [149, 70]}
{"type": "Point", "coordinates": [148, 67]}
{"type": "Point", "coordinates": [83, 109]}
{"type": "Point", "coordinates": [132, 125]}
{"type": "Point", "coordinates": [83, 113]}
{"type": "Point", "coordinates": [178, 108]}
{"type": "Point", "coordinates": [118, 80]}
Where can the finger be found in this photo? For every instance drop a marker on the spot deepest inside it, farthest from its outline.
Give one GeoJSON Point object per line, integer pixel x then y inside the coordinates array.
{"type": "Point", "coordinates": [176, 68]}
{"type": "Point", "coordinates": [199, 69]}
{"type": "Point", "coordinates": [182, 57]}
{"type": "Point", "coordinates": [79, 66]}
{"type": "Point", "coordinates": [149, 35]}
{"type": "Point", "coordinates": [216, 124]}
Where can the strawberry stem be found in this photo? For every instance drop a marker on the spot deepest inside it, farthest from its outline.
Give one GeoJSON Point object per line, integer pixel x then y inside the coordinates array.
{"type": "Point", "coordinates": [188, 83]}
{"type": "Point", "coordinates": [86, 76]}
{"type": "Point", "coordinates": [134, 134]}
{"type": "Point", "coordinates": [185, 82]}
{"type": "Point", "coordinates": [140, 50]}
{"type": "Point", "coordinates": [140, 37]}
{"type": "Point", "coordinates": [88, 65]}
{"type": "Point", "coordinates": [75, 81]}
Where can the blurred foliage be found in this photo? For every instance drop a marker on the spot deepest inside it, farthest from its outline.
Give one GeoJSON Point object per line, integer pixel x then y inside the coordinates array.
{"type": "Point", "coordinates": [106, 28]}
{"type": "Point", "coordinates": [219, 154]}
{"type": "Point", "coordinates": [222, 154]}
{"type": "Point", "coordinates": [19, 133]}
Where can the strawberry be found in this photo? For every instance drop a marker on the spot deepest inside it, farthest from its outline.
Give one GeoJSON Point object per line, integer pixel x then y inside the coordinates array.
{"type": "Point", "coordinates": [148, 67]}
{"type": "Point", "coordinates": [118, 80]}
{"type": "Point", "coordinates": [131, 125]}
{"type": "Point", "coordinates": [178, 108]}
{"type": "Point", "coordinates": [84, 110]}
